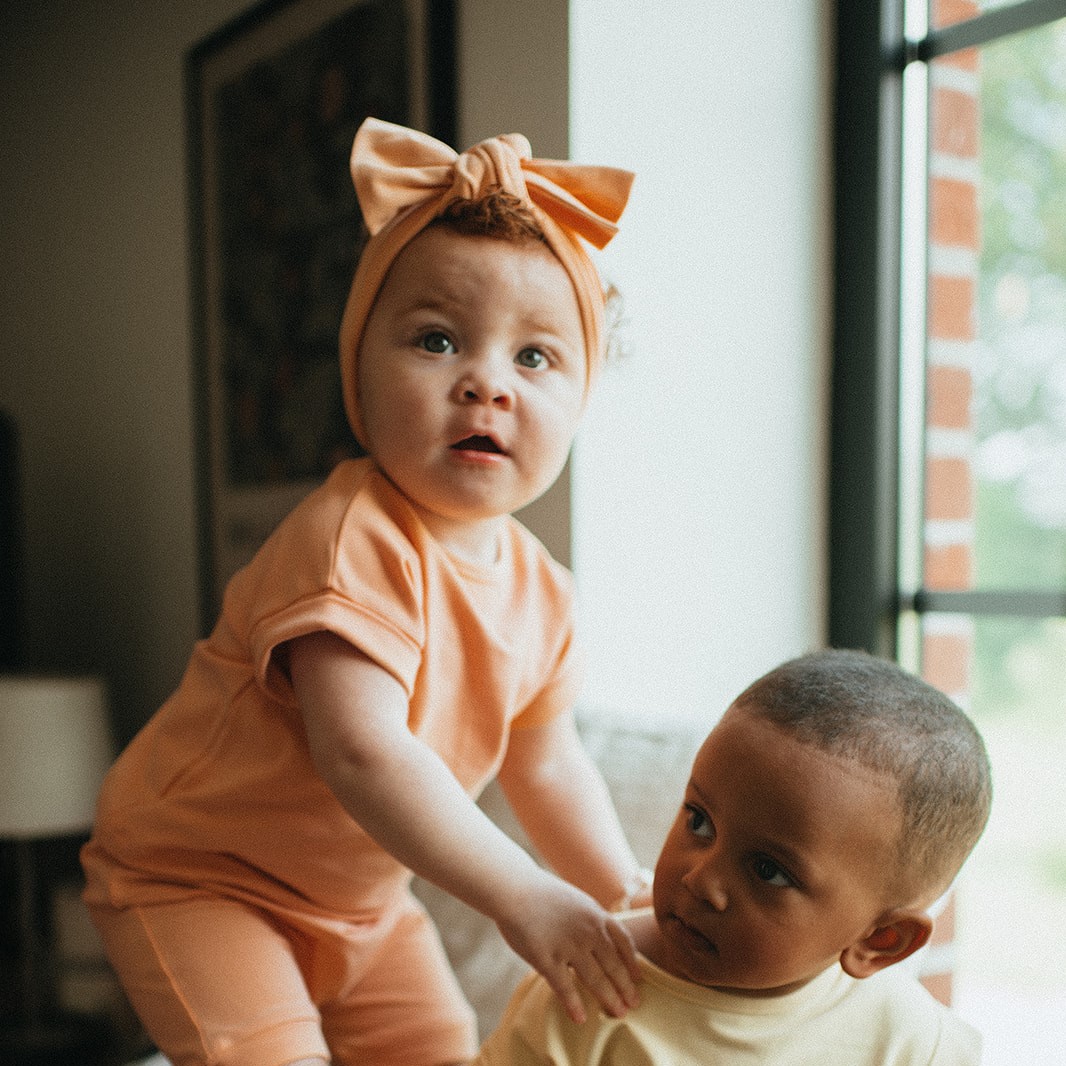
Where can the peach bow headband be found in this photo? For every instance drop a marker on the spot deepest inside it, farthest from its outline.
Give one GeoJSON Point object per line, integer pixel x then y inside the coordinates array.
{"type": "Point", "coordinates": [404, 179]}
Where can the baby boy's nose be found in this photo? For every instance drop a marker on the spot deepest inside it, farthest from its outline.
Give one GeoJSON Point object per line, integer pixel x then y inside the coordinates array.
{"type": "Point", "coordinates": [706, 883]}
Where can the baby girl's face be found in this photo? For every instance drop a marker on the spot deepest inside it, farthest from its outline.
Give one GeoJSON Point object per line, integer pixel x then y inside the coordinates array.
{"type": "Point", "coordinates": [471, 379]}
{"type": "Point", "coordinates": [776, 863]}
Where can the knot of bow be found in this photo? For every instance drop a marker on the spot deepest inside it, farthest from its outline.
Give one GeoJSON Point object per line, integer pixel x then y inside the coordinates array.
{"type": "Point", "coordinates": [395, 169]}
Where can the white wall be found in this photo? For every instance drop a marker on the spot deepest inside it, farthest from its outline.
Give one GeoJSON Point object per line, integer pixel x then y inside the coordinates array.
{"type": "Point", "coordinates": [699, 479]}
{"type": "Point", "coordinates": [96, 364]}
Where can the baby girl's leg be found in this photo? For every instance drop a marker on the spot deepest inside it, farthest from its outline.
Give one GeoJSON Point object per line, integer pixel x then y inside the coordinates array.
{"type": "Point", "coordinates": [214, 983]}
{"type": "Point", "coordinates": [406, 1009]}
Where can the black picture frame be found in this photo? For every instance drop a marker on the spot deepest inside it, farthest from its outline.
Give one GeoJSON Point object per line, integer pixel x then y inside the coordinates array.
{"type": "Point", "coordinates": [273, 100]}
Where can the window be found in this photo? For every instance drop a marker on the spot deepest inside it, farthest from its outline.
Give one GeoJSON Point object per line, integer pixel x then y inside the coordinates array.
{"type": "Point", "coordinates": [948, 483]}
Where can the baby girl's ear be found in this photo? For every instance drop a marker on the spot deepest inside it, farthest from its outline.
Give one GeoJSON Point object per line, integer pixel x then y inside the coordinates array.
{"type": "Point", "coordinates": [897, 935]}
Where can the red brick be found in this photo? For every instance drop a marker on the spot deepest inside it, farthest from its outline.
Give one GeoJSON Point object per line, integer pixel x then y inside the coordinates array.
{"type": "Point", "coordinates": [944, 927]}
{"type": "Point", "coordinates": [948, 488]}
{"type": "Point", "coordinates": [955, 123]}
{"type": "Point", "coordinates": [949, 12]}
{"type": "Point", "coordinates": [949, 397]}
{"type": "Point", "coordinates": [951, 307]}
{"type": "Point", "coordinates": [946, 661]}
{"type": "Point", "coordinates": [965, 59]}
{"type": "Point", "coordinates": [939, 986]}
{"type": "Point", "coordinates": [954, 218]}
{"type": "Point", "coordinates": [948, 568]}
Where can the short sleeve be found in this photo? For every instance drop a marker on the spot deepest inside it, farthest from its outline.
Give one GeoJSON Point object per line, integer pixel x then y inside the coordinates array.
{"type": "Point", "coordinates": [340, 562]}
{"type": "Point", "coordinates": [559, 693]}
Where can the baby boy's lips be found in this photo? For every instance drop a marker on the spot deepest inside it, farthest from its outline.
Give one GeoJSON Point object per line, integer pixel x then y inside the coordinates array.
{"type": "Point", "coordinates": [693, 934]}
{"type": "Point", "coordinates": [478, 442]}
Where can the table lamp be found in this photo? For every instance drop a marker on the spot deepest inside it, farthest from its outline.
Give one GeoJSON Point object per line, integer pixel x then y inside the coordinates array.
{"type": "Point", "coordinates": [55, 747]}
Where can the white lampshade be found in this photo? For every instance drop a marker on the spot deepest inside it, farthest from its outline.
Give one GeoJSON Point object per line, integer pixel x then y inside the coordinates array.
{"type": "Point", "coordinates": [55, 748]}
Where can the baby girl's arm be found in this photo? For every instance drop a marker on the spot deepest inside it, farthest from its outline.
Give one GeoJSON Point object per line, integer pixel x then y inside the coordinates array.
{"type": "Point", "coordinates": [407, 799]}
{"type": "Point", "coordinates": [560, 798]}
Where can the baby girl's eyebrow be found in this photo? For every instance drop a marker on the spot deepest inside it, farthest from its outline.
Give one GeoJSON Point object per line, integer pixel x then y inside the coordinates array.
{"type": "Point", "coordinates": [431, 302]}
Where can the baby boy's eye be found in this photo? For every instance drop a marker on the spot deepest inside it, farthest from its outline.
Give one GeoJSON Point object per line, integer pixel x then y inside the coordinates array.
{"type": "Point", "coordinates": [768, 871]}
{"type": "Point", "coordinates": [531, 358]}
{"type": "Point", "coordinates": [698, 823]}
{"type": "Point", "coordinates": [436, 342]}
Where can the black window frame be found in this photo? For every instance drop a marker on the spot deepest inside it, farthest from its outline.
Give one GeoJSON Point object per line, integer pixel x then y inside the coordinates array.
{"type": "Point", "coordinates": [872, 52]}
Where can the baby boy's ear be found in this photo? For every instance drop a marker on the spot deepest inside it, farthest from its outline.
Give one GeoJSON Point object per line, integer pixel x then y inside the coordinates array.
{"type": "Point", "coordinates": [898, 935]}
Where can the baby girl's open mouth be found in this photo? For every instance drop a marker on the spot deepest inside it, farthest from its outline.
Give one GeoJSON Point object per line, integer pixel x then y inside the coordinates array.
{"type": "Point", "coordinates": [478, 443]}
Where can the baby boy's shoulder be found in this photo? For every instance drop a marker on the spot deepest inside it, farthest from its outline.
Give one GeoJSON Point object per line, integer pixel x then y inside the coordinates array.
{"type": "Point", "coordinates": [906, 1021]}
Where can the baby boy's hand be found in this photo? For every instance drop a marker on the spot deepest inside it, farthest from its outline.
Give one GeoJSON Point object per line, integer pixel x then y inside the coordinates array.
{"type": "Point", "coordinates": [568, 938]}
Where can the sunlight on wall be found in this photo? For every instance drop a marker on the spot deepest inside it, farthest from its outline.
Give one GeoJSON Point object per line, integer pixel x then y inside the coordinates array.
{"type": "Point", "coordinates": [699, 474]}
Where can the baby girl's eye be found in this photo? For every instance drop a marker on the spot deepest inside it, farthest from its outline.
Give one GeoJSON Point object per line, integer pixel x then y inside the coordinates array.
{"type": "Point", "coordinates": [768, 871]}
{"type": "Point", "coordinates": [436, 342]}
{"type": "Point", "coordinates": [531, 358]}
{"type": "Point", "coordinates": [698, 823]}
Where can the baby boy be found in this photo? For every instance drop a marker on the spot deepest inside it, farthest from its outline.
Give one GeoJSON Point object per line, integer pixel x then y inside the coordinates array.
{"type": "Point", "coordinates": [826, 812]}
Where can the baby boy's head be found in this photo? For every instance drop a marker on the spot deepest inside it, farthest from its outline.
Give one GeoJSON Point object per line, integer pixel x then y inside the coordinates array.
{"type": "Point", "coordinates": [833, 803]}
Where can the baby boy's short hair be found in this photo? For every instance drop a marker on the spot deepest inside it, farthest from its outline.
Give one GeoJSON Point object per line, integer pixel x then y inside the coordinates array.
{"type": "Point", "coordinates": [856, 706]}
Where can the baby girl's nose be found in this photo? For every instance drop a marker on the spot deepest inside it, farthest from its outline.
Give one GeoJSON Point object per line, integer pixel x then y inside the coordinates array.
{"type": "Point", "coordinates": [485, 384]}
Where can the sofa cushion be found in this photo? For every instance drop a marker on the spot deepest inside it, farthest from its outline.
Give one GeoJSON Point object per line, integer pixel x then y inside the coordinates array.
{"type": "Point", "coordinates": [646, 769]}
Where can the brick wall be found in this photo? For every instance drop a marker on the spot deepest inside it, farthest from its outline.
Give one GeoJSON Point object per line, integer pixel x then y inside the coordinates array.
{"type": "Point", "coordinates": [954, 246]}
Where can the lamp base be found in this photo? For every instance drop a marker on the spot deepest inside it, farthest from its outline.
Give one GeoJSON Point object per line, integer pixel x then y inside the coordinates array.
{"type": "Point", "coordinates": [65, 1041]}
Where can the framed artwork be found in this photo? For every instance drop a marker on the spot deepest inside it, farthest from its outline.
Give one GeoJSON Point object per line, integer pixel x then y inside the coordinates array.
{"type": "Point", "coordinates": [273, 103]}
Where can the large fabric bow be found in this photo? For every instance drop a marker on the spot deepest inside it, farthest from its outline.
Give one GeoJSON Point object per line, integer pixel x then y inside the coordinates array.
{"type": "Point", "coordinates": [395, 169]}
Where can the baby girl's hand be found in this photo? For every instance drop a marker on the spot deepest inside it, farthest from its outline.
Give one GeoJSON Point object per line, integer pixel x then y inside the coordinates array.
{"type": "Point", "coordinates": [568, 938]}
{"type": "Point", "coordinates": [637, 894]}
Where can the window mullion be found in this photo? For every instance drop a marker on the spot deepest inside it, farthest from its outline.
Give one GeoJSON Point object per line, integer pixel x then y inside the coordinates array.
{"type": "Point", "coordinates": [990, 26]}
{"type": "Point", "coordinates": [1015, 603]}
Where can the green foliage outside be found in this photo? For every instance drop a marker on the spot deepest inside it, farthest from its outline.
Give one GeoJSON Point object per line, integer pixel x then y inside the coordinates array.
{"type": "Point", "coordinates": [1020, 371]}
{"type": "Point", "coordinates": [1020, 374]}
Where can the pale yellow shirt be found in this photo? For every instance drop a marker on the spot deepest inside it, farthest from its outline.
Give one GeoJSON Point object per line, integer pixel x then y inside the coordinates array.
{"type": "Point", "coordinates": [885, 1020]}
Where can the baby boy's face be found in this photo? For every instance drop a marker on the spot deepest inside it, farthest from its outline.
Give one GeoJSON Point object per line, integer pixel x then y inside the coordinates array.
{"type": "Point", "coordinates": [777, 861]}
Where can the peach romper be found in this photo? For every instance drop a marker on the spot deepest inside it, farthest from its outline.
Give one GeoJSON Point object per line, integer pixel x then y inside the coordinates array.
{"type": "Point", "coordinates": [245, 911]}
